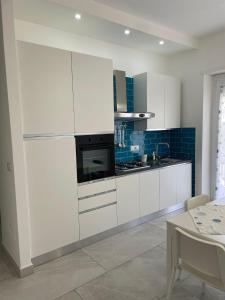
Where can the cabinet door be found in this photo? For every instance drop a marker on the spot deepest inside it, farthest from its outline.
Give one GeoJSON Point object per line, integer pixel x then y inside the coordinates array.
{"type": "Point", "coordinates": [53, 199]}
{"type": "Point", "coordinates": [168, 187]}
{"type": "Point", "coordinates": [96, 221]}
{"type": "Point", "coordinates": [93, 94]}
{"type": "Point", "coordinates": [149, 192]}
{"type": "Point", "coordinates": [184, 185]}
{"type": "Point", "coordinates": [172, 102]}
{"type": "Point", "coordinates": [46, 89]}
{"type": "Point", "coordinates": [155, 101]}
{"type": "Point", "coordinates": [127, 198]}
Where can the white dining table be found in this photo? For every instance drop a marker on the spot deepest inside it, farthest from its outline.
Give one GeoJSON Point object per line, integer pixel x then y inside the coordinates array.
{"type": "Point", "coordinates": [185, 222]}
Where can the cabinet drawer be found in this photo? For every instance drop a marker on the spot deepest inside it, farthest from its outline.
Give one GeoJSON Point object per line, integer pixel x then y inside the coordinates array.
{"type": "Point", "coordinates": [97, 201]}
{"type": "Point", "coordinates": [96, 188]}
{"type": "Point", "coordinates": [97, 221]}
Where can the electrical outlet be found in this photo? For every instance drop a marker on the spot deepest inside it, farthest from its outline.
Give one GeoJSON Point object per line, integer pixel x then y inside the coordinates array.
{"type": "Point", "coordinates": [134, 148]}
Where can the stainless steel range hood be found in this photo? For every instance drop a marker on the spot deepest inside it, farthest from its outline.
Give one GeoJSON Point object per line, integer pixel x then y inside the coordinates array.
{"type": "Point", "coordinates": [133, 116]}
{"type": "Point", "coordinates": [121, 101]}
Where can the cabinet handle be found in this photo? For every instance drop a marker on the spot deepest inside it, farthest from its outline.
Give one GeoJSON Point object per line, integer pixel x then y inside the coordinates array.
{"type": "Point", "coordinates": [97, 194]}
{"type": "Point", "coordinates": [96, 208]}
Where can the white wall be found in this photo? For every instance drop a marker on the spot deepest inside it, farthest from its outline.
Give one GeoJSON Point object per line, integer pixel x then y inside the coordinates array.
{"type": "Point", "coordinates": [7, 186]}
{"type": "Point", "coordinates": [191, 66]}
{"type": "Point", "coordinates": [130, 60]}
{"type": "Point", "coordinates": [13, 192]}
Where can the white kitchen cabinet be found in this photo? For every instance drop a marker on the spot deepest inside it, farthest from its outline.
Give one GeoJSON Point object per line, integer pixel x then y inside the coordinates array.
{"type": "Point", "coordinates": [149, 192]}
{"type": "Point", "coordinates": [90, 189]}
{"type": "Point", "coordinates": [172, 102]}
{"type": "Point", "coordinates": [127, 198]}
{"type": "Point", "coordinates": [93, 94]}
{"type": "Point", "coordinates": [97, 221]}
{"type": "Point", "coordinates": [184, 186]}
{"type": "Point", "coordinates": [46, 89]}
{"type": "Point", "coordinates": [51, 174]}
{"type": "Point", "coordinates": [168, 187]}
{"type": "Point", "coordinates": [159, 94]}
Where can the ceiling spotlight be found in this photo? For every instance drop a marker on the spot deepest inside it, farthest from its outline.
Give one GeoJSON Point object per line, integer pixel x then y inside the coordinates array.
{"type": "Point", "coordinates": [127, 31]}
{"type": "Point", "coordinates": [78, 16]}
{"type": "Point", "coordinates": [161, 42]}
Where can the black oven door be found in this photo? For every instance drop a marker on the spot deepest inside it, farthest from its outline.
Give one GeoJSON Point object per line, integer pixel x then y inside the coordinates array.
{"type": "Point", "coordinates": [95, 162]}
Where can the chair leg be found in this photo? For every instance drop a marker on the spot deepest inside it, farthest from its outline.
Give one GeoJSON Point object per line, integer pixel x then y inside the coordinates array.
{"type": "Point", "coordinates": [179, 273]}
{"type": "Point", "coordinates": [203, 288]}
{"type": "Point", "coordinates": [171, 284]}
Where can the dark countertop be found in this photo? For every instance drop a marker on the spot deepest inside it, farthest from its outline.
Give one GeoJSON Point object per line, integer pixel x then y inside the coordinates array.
{"type": "Point", "coordinates": [153, 165]}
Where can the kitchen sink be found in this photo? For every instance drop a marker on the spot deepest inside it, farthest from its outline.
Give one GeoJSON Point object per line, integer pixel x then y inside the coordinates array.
{"type": "Point", "coordinates": [165, 161]}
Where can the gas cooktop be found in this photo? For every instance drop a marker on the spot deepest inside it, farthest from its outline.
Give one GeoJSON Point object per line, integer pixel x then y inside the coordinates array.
{"type": "Point", "coordinates": [130, 166]}
{"type": "Point", "coordinates": [135, 166]}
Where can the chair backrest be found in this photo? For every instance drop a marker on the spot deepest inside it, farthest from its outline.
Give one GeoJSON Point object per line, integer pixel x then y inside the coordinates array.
{"type": "Point", "coordinates": [197, 201]}
{"type": "Point", "coordinates": [199, 256]}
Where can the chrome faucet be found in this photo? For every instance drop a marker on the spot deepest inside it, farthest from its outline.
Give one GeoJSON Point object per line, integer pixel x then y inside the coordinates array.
{"type": "Point", "coordinates": [157, 148]}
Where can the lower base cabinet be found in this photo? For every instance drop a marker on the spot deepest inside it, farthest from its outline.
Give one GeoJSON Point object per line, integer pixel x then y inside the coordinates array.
{"type": "Point", "coordinates": [127, 198]}
{"type": "Point", "coordinates": [97, 212]}
{"type": "Point", "coordinates": [149, 192]}
{"type": "Point", "coordinates": [97, 221]}
{"type": "Point", "coordinates": [184, 182]}
{"type": "Point", "coordinates": [168, 187]}
{"type": "Point", "coordinates": [175, 185]}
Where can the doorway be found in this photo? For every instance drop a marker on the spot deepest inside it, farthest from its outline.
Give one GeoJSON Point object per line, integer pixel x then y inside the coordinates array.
{"type": "Point", "coordinates": [218, 137]}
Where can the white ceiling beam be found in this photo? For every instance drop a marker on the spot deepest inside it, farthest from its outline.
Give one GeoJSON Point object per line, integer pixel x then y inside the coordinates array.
{"type": "Point", "coordinates": [116, 16]}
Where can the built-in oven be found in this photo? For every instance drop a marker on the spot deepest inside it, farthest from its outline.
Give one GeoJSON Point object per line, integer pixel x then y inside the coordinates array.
{"type": "Point", "coordinates": [95, 156]}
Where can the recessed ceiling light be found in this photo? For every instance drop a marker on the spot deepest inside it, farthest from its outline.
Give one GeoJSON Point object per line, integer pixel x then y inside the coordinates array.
{"type": "Point", "coordinates": [127, 31]}
{"type": "Point", "coordinates": [78, 16]}
{"type": "Point", "coordinates": [161, 42]}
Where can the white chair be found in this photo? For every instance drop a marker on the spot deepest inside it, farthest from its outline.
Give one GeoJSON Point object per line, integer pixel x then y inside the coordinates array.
{"type": "Point", "coordinates": [200, 257]}
{"type": "Point", "coordinates": [197, 201]}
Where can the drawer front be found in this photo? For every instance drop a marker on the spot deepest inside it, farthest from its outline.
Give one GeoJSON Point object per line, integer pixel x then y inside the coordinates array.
{"type": "Point", "coordinates": [97, 201]}
{"type": "Point", "coordinates": [96, 188]}
{"type": "Point", "coordinates": [97, 221]}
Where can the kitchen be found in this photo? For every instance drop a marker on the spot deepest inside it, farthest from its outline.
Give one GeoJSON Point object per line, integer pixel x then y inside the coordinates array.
{"type": "Point", "coordinates": [101, 204]}
{"type": "Point", "coordinates": [100, 139]}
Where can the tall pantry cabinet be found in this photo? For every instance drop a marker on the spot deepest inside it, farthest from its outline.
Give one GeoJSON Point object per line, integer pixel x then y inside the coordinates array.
{"type": "Point", "coordinates": [47, 103]}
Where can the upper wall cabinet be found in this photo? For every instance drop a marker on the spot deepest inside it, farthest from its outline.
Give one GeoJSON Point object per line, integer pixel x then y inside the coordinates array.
{"type": "Point", "coordinates": [158, 94]}
{"type": "Point", "coordinates": [46, 89]}
{"type": "Point", "coordinates": [93, 94]}
{"type": "Point", "coordinates": [172, 102]}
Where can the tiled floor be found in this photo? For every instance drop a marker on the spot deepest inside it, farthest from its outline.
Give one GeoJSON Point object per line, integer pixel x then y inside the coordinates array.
{"type": "Point", "coordinates": [127, 266]}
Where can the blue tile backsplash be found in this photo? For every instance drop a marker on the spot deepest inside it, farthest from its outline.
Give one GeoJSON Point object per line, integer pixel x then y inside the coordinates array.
{"type": "Point", "coordinates": [181, 140]}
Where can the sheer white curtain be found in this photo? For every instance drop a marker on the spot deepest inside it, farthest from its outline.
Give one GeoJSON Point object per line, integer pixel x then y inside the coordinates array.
{"type": "Point", "coordinates": [220, 164]}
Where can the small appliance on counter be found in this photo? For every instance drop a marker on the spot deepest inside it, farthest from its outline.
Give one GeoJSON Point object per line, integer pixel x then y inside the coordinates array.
{"type": "Point", "coordinates": [95, 157]}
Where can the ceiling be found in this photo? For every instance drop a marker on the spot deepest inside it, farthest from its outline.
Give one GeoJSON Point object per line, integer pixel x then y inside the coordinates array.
{"type": "Point", "coordinates": [180, 23]}
{"type": "Point", "coordinates": [193, 17]}
{"type": "Point", "coordinates": [51, 14]}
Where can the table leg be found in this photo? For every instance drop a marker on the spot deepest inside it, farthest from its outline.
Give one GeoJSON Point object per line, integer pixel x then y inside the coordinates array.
{"type": "Point", "coordinates": [170, 229]}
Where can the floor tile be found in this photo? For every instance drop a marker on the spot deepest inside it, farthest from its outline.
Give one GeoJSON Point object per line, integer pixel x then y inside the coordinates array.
{"type": "Point", "coordinates": [6, 270]}
{"type": "Point", "coordinates": [163, 245]}
{"type": "Point", "coordinates": [120, 248]}
{"type": "Point", "coordinates": [193, 285]}
{"type": "Point", "coordinates": [161, 222]}
{"type": "Point", "coordinates": [142, 278]}
{"type": "Point", "coordinates": [180, 293]}
{"type": "Point", "coordinates": [70, 296]}
{"type": "Point", "coordinates": [53, 279]}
